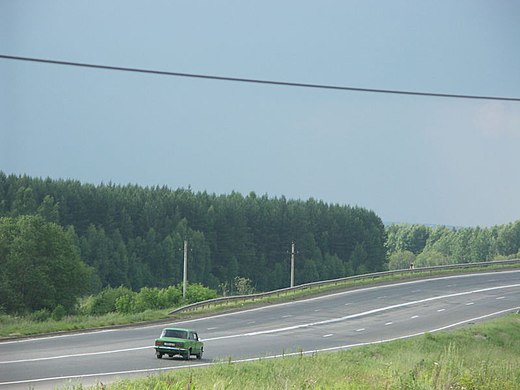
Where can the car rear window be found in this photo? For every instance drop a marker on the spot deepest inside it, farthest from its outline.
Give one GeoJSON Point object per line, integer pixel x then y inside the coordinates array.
{"type": "Point", "coordinates": [178, 334]}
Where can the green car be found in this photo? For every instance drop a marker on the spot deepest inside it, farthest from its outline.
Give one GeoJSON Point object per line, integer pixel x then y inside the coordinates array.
{"type": "Point", "coordinates": [177, 341]}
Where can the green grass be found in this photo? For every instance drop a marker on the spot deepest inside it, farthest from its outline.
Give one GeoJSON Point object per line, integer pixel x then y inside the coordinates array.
{"type": "Point", "coordinates": [483, 356]}
{"type": "Point", "coordinates": [14, 326]}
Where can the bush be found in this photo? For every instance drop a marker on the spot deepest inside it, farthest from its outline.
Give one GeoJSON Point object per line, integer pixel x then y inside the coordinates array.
{"type": "Point", "coordinates": [126, 303]}
{"type": "Point", "coordinates": [123, 300]}
{"type": "Point", "coordinates": [197, 293]}
{"type": "Point", "coordinates": [147, 298]}
{"type": "Point", "coordinates": [105, 301]}
{"type": "Point", "coordinates": [41, 315]}
{"type": "Point", "coordinates": [243, 286]}
{"type": "Point", "coordinates": [85, 305]}
{"type": "Point", "coordinates": [170, 297]}
{"type": "Point", "coordinates": [58, 313]}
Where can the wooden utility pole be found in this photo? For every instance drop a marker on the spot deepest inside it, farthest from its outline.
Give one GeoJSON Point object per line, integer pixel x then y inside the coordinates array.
{"type": "Point", "coordinates": [292, 264]}
{"type": "Point", "coordinates": [185, 271]}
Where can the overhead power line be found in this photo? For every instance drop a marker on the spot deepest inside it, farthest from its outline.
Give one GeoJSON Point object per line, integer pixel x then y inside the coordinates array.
{"type": "Point", "coordinates": [256, 81]}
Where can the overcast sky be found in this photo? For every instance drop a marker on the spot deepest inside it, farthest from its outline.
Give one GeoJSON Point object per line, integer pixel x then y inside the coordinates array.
{"type": "Point", "coordinates": [408, 158]}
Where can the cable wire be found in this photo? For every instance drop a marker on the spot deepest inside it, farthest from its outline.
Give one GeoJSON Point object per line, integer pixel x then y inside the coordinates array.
{"type": "Point", "coordinates": [257, 81]}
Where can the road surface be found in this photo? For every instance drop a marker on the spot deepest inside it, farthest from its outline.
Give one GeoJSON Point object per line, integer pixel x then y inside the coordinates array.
{"type": "Point", "coordinates": [327, 323]}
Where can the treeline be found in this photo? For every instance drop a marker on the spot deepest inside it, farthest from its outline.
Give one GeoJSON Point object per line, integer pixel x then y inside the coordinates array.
{"type": "Point", "coordinates": [429, 246]}
{"type": "Point", "coordinates": [133, 236]}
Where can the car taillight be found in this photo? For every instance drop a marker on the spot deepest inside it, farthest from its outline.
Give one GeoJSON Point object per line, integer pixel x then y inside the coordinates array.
{"type": "Point", "coordinates": [158, 343]}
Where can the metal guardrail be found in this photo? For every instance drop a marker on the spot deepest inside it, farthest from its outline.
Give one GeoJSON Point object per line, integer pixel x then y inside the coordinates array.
{"type": "Point", "coordinates": [335, 282]}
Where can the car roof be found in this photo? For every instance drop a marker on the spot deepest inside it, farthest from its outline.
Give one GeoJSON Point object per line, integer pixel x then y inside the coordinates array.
{"type": "Point", "coordinates": [187, 330]}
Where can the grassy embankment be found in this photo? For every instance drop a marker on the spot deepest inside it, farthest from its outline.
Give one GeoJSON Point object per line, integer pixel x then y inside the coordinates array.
{"type": "Point", "coordinates": [16, 326]}
{"type": "Point", "coordinates": [483, 356]}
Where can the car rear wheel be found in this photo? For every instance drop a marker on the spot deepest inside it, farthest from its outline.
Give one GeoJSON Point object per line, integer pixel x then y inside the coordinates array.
{"type": "Point", "coordinates": [199, 355]}
{"type": "Point", "coordinates": [159, 355]}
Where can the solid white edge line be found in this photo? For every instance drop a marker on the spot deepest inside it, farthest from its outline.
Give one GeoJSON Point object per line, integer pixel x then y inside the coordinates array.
{"type": "Point", "coordinates": [74, 355]}
{"type": "Point", "coordinates": [347, 346]}
{"type": "Point", "coordinates": [85, 332]}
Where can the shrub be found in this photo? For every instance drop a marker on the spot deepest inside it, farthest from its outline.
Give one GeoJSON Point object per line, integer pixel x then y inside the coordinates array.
{"type": "Point", "coordinates": [126, 303]}
{"type": "Point", "coordinates": [123, 300]}
{"type": "Point", "coordinates": [197, 293]}
{"type": "Point", "coordinates": [58, 313]}
{"type": "Point", "coordinates": [243, 286]}
{"type": "Point", "coordinates": [41, 315]}
{"type": "Point", "coordinates": [105, 301]}
{"type": "Point", "coordinates": [170, 297]}
{"type": "Point", "coordinates": [147, 298]}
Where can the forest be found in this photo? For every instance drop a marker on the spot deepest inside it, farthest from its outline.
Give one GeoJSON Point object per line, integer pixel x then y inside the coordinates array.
{"type": "Point", "coordinates": [440, 245]}
{"type": "Point", "coordinates": [61, 240]}
{"type": "Point", "coordinates": [68, 239]}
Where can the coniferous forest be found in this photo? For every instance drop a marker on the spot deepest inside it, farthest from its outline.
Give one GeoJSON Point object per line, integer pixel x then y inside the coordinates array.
{"type": "Point", "coordinates": [98, 236]}
{"type": "Point", "coordinates": [61, 240]}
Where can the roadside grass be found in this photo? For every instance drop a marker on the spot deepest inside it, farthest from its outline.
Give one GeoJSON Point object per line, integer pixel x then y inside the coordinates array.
{"type": "Point", "coordinates": [21, 326]}
{"type": "Point", "coordinates": [18, 326]}
{"type": "Point", "coordinates": [482, 356]}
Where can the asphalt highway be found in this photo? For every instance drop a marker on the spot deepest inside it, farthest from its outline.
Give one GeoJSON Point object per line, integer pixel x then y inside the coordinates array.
{"type": "Point", "coordinates": [326, 323]}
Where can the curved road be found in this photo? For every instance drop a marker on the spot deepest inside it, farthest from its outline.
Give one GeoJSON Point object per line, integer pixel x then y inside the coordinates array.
{"type": "Point", "coordinates": [326, 323]}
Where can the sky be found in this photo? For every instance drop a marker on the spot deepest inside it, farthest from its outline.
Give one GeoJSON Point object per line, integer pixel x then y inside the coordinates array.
{"type": "Point", "coordinates": [410, 159]}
